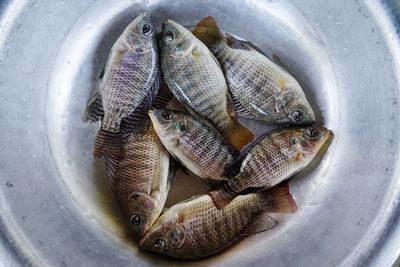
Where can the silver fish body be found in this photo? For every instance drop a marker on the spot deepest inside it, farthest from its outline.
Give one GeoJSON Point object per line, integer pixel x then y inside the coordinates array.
{"type": "Point", "coordinates": [196, 79]}
{"type": "Point", "coordinates": [265, 89]}
{"type": "Point", "coordinates": [194, 143]}
{"type": "Point", "coordinates": [129, 75]}
{"type": "Point", "coordinates": [278, 156]}
{"type": "Point", "coordinates": [195, 228]}
{"type": "Point", "coordinates": [141, 178]}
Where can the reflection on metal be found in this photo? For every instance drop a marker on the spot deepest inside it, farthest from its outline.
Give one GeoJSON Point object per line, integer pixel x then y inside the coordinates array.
{"type": "Point", "coordinates": [55, 206]}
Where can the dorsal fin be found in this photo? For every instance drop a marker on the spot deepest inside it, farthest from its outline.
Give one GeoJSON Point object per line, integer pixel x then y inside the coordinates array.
{"type": "Point", "coordinates": [94, 110]}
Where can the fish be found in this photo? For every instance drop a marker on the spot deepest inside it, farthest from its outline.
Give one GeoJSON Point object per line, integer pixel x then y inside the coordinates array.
{"type": "Point", "coordinates": [195, 228]}
{"type": "Point", "coordinates": [141, 179]}
{"type": "Point", "coordinates": [194, 143]}
{"type": "Point", "coordinates": [266, 90]}
{"type": "Point", "coordinates": [277, 156]}
{"type": "Point", "coordinates": [196, 80]}
{"type": "Point", "coordinates": [140, 171]}
{"type": "Point", "coordinates": [131, 78]}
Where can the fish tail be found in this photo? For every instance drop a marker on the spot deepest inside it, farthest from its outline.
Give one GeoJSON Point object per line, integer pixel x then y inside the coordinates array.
{"type": "Point", "coordinates": [278, 199]}
{"type": "Point", "coordinates": [94, 109]}
{"type": "Point", "coordinates": [208, 32]}
{"type": "Point", "coordinates": [109, 144]}
{"type": "Point", "coordinates": [222, 196]}
{"type": "Point", "coordinates": [237, 135]}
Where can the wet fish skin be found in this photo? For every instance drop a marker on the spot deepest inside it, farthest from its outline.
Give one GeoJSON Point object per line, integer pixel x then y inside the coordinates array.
{"type": "Point", "coordinates": [196, 79]}
{"type": "Point", "coordinates": [195, 228]}
{"type": "Point", "coordinates": [194, 143]}
{"type": "Point", "coordinates": [141, 179]}
{"type": "Point", "coordinates": [139, 169]}
{"type": "Point", "coordinates": [278, 156]}
{"type": "Point", "coordinates": [265, 89]}
{"type": "Point", "coordinates": [130, 73]}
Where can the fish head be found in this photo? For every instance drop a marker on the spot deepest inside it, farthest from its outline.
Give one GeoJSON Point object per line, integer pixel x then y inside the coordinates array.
{"type": "Point", "coordinates": [143, 212]}
{"type": "Point", "coordinates": [140, 35]}
{"type": "Point", "coordinates": [170, 125]}
{"type": "Point", "coordinates": [293, 105]}
{"type": "Point", "coordinates": [307, 142]}
{"type": "Point", "coordinates": [175, 39]}
{"type": "Point", "coordinates": [166, 236]}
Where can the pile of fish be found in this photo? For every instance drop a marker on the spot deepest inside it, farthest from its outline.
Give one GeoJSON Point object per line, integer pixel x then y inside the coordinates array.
{"type": "Point", "coordinates": [179, 108]}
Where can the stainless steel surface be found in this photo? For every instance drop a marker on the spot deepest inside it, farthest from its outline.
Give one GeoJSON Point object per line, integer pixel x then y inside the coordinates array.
{"type": "Point", "coordinates": [55, 207]}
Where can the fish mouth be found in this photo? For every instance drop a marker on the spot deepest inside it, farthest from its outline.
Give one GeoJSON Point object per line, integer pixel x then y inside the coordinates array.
{"type": "Point", "coordinates": [326, 140]}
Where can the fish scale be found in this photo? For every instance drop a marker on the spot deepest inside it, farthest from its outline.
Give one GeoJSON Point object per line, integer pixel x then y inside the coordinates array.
{"type": "Point", "coordinates": [196, 79]}
{"type": "Point", "coordinates": [276, 156]}
{"type": "Point", "coordinates": [212, 229]}
{"type": "Point", "coordinates": [262, 87]}
{"type": "Point", "coordinates": [125, 85]}
{"type": "Point", "coordinates": [265, 76]}
{"type": "Point", "coordinates": [145, 160]}
{"type": "Point", "coordinates": [144, 168]}
{"type": "Point", "coordinates": [199, 147]}
{"type": "Point", "coordinates": [265, 163]}
{"type": "Point", "coordinates": [199, 229]}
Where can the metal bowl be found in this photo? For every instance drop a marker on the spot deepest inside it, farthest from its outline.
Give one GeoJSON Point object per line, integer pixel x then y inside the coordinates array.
{"type": "Point", "coordinates": [55, 205]}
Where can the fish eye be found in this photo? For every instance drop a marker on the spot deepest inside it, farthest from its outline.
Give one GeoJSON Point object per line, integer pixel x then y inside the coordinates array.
{"type": "Point", "coordinates": [297, 115]}
{"type": "Point", "coordinates": [135, 220]}
{"type": "Point", "coordinates": [158, 243]}
{"type": "Point", "coordinates": [147, 29]}
{"type": "Point", "coordinates": [166, 115]}
{"type": "Point", "coordinates": [312, 132]}
{"type": "Point", "coordinates": [169, 36]}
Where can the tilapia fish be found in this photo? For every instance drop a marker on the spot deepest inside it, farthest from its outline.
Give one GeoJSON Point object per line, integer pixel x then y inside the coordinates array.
{"type": "Point", "coordinates": [139, 169]}
{"type": "Point", "coordinates": [265, 89]}
{"type": "Point", "coordinates": [194, 143]}
{"type": "Point", "coordinates": [130, 79]}
{"type": "Point", "coordinates": [196, 79]}
{"type": "Point", "coordinates": [278, 156]}
{"type": "Point", "coordinates": [141, 179]}
{"type": "Point", "coordinates": [195, 228]}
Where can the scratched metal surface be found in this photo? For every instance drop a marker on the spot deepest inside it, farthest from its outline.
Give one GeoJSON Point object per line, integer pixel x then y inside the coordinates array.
{"type": "Point", "coordinates": [55, 207]}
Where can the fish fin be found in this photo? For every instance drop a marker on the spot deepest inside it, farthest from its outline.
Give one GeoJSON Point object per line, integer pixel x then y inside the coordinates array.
{"type": "Point", "coordinates": [233, 169]}
{"type": "Point", "coordinates": [221, 196]}
{"type": "Point", "coordinates": [258, 223]}
{"type": "Point", "coordinates": [111, 170]}
{"type": "Point", "coordinates": [278, 199]}
{"type": "Point", "coordinates": [163, 97]}
{"type": "Point", "coordinates": [174, 104]}
{"type": "Point", "coordinates": [240, 110]}
{"type": "Point", "coordinates": [153, 92]}
{"type": "Point", "coordinates": [109, 144]}
{"type": "Point", "coordinates": [102, 72]}
{"type": "Point", "coordinates": [139, 121]}
{"type": "Point", "coordinates": [238, 44]}
{"type": "Point", "coordinates": [212, 183]}
{"type": "Point", "coordinates": [237, 135]}
{"type": "Point", "coordinates": [241, 44]}
{"type": "Point", "coordinates": [208, 32]}
{"type": "Point", "coordinates": [164, 210]}
{"type": "Point", "coordinates": [179, 165]}
{"type": "Point", "coordinates": [94, 110]}
{"type": "Point", "coordinates": [279, 62]}
{"type": "Point", "coordinates": [173, 168]}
